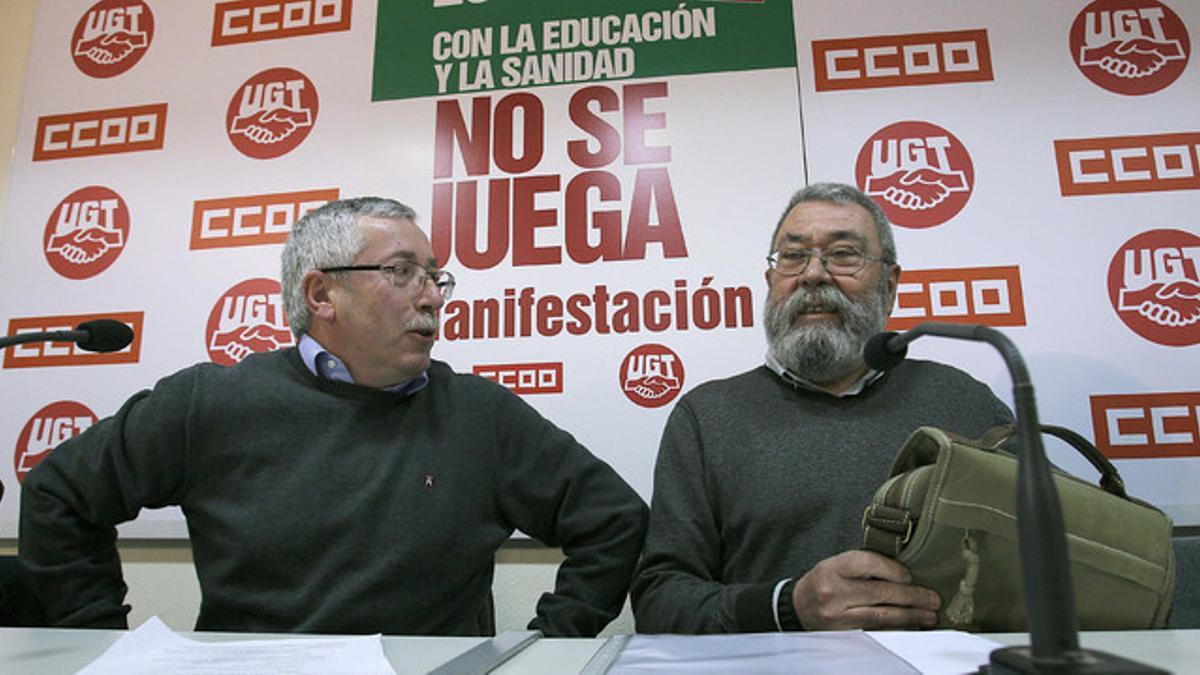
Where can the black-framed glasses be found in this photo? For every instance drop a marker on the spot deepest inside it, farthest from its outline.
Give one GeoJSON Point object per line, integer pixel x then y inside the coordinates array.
{"type": "Point", "coordinates": [839, 261]}
{"type": "Point", "coordinates": [405, 274]}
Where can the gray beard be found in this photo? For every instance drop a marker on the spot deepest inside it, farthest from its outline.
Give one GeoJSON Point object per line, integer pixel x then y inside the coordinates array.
{"type": "Point", "coordinates": [823, 352]}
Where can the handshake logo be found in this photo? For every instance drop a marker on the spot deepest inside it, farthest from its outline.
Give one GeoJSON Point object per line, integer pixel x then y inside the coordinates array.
{"type": "Point", "coordinates": [1130, 47]}
{"type": "Point", "coordinates": [86, 232]}
{"type": "Point", "coordinates": [111, 37]}
{"type": "Point", "coordinates": [247, 319]}
{"type": "Point", "coordinates": [651, 375]}
{"type": "Point", "coordinates": [920, 174]}
{"type": "Point", "coordinates": [272, 113]}
{"type": "Point", "coordinates": [1154, 286]}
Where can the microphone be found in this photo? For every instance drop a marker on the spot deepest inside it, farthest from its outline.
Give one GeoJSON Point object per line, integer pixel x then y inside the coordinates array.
{"type": "Point", "coordinates": [98, 335]}
{"type": "Point", "coordinates": [885, 350]}
{"type": "Point", "coordinates": [1041, 536]}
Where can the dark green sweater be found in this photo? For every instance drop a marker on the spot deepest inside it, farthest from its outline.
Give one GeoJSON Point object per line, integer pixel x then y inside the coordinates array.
{"type": "Point", "coordinates": [757, 481]}
{"type": "Point", "coordinates": [320, 506]}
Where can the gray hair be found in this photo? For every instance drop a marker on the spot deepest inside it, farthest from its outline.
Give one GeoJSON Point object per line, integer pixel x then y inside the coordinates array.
{"type": "Point", "coordinates": [327, 237]}
{"type": "Point", "coordinates": [840, 193]}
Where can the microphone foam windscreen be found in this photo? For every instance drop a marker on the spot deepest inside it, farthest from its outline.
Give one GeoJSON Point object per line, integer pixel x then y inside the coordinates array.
{"type": "Point", "coordinates": [104, 335]}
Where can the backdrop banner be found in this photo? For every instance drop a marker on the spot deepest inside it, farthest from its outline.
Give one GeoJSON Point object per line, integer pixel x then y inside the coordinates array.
{"type": "Point", "coordinates": [603, 177]}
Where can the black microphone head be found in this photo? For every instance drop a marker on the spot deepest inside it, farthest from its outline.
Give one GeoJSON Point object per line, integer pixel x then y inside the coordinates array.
{"type": "Point", "coordinates": [104, 335]}
{"type": "Point", "coordinates": [879, 354]}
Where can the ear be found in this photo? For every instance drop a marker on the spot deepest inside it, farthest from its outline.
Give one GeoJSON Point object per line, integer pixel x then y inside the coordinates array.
{"type": "Point", "coordinates": [893, 283]}
{"type": "Point", "coordinates": [317, 287]}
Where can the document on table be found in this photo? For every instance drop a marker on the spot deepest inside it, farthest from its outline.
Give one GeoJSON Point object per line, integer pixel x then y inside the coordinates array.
{"type": "Point", "coordinates": [155, 648]}
{"type": "Point", "coordinates": [759, 654]}
{"type": "Point", "coordinates": [835, 653]}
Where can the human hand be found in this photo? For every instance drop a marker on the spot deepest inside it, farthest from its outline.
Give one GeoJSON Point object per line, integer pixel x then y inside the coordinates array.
{"type": "Point", "coordinates": [862, 589]}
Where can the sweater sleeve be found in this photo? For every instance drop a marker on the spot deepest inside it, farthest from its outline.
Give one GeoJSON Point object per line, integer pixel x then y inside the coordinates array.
{"type": "Point", "coordinates": [678, 587]}
{"type": "Point", "coordinates": [553, 489]}
{"type": "Point", "coordinates": [72, 501]}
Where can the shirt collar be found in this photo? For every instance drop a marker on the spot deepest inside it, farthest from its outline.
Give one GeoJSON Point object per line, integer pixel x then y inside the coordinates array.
{"type": "Point", "coordinates": [324, 364]}
{"type": "Point", "coordinates": [860, 385]}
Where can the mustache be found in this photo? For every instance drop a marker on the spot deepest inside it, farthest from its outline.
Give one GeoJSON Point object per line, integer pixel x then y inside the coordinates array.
{"type": "Point", "coordinates": [804, 300]}
{"type": "Point", "coordinates": [422, 321]}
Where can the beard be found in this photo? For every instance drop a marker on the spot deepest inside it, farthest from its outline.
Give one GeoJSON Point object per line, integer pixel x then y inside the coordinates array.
{"type": "Point", "coordinates": [823, 351]}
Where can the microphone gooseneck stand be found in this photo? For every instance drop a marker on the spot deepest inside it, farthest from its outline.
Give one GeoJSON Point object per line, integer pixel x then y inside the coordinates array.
{"type": "Point", "coordinates": [1045, 571]}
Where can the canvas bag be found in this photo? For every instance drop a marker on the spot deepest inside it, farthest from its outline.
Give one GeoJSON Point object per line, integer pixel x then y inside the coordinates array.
{"type": "Point", "coordinates": [948, 513]}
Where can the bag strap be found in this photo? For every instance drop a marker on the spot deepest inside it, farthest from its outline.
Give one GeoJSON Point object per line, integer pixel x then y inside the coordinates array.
{"type": "Point", "coordinates": [886, 529]}
{"type": "Point", "coordinates": [1110, 479]}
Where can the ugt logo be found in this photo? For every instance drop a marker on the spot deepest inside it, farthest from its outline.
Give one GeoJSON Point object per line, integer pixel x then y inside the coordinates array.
{"type": "Point", "coordinates": [86, 232]}
{"type": "Point", "coordinates": [1154, 286]}
{"type": "Point", "coordinates": [272, 113]}
{"type": "Point", "coordinates": [1130, 47]}
{"type": "Point", "coordinates": [920, 174]}
{"type": "Point", "coordinates": [247, 319]}
{"type": "Point", "coordinates": [112, 37]}
{"type": "Point", "coordinates": [46, 430]}
{"type": "Point", "coordinates": [651, 375]}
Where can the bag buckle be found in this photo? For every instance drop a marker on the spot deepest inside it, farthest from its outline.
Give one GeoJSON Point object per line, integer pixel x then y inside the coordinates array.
{"type": "Point", "coordinates": [888, 518]}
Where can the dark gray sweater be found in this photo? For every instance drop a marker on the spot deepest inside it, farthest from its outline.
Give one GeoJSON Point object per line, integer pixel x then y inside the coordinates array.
{"type": "Point", "coordinates": [321, 506]}
{"type": "Point", "coordinates": [757, 481]}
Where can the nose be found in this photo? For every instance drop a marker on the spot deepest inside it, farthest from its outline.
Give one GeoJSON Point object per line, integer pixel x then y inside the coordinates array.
{"type": "Point", "coordinates": [815, 273]}
{"type": "Point", "coordinates": [430, 295]}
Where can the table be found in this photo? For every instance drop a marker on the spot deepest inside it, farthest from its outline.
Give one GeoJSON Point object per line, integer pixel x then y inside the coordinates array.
{"type": "Point", "coordinates": [46, 651]}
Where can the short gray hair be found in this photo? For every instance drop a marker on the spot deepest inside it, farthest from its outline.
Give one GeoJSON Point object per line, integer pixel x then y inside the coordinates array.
{"type": "Point", "coordinates": [840, 193]}
{"type": "Point", "coordinates": [327, 236]}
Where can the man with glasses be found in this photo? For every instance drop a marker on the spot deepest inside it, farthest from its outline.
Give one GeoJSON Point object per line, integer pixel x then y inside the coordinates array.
{"type": "Point", "coordinates": [348, 485]}
{"type": "Point", "coordinates": [762, 478]}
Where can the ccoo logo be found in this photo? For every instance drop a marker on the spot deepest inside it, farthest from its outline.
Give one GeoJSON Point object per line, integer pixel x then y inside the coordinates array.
{"type": "Point", "coordinates": [1130, 47]}
{"type": "Point", "coordinates": [1154, 286]}
{"type": "Point", "coordinates": [86, 232]}
{"type": "Point", "coordinates": [112, 37]}
{"type": "Point", "coordinates": [247, 319]}
{"type": "Point", "coordinates": [920, 174]}
{"type": "Point", "coordinates": [48, 428]}
{"type": "Point", "coordinates": [651, 375]}
{"type": "Point", "coordinates": [272, 113]}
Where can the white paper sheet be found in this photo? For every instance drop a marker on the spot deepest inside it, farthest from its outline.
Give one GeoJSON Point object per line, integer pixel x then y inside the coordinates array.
{"type": "Point", "coordinates": [834, 653]}
{"type": "Point", "coordinates": [154, 649]}
{"type": "Point", "coordinates": [938, 652]}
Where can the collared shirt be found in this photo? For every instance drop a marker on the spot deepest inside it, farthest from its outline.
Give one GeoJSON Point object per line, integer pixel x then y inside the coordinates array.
{"type": "Point", "coordinates": [322, 363]}
{"type": "Point", "coordinates": [860, 385]}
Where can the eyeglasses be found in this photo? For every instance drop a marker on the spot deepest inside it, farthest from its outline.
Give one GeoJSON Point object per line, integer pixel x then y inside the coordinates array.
{"type": "Point", "coordinates": [839, 261]}
{"type": "Point", "coordinates": [405, 274]}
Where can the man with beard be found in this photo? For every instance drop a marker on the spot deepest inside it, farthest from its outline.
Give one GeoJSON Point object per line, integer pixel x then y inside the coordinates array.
{"type": "Point", "coordinates": [348, 485]}
{"type": "Point", "coordinates": [762, 478]}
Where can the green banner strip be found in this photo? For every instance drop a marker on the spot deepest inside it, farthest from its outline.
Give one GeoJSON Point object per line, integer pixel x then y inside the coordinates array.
{"type": "Point", "coordinates": [447, 47]}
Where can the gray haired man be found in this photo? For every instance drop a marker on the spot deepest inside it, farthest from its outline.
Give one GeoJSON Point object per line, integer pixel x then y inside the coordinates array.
{"type": "Point", "coordinates": [349, 485]}
{"type": "Point", "coordinates": [762, 478]}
